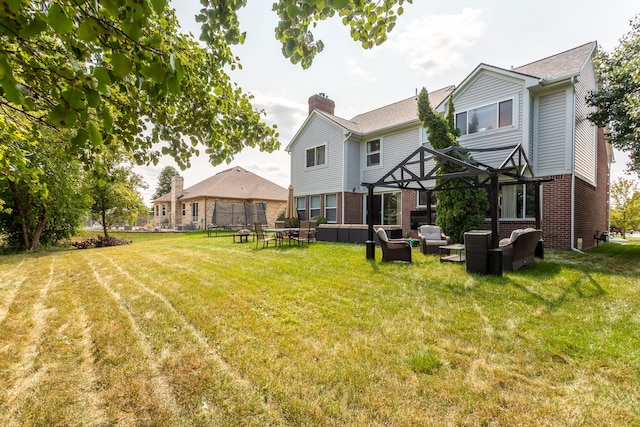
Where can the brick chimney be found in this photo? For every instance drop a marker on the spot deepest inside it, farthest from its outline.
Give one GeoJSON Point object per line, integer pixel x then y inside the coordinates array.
{"type": "Point", "coordinates": [321, 102]}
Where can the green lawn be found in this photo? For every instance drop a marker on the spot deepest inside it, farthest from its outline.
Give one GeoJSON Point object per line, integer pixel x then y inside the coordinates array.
{"type": "Point", "coordinates": [184, 329]}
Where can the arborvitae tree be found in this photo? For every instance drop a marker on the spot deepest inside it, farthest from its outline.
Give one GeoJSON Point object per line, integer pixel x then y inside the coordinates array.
{"type": "Point", "coordinates": [459, 210]}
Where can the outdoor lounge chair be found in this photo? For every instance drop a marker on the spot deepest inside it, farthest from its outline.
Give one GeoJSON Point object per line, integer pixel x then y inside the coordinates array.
{"type": "Point", "coordinates": [262, 237]}
{"type": "Point", "coordinates": [395, 249]}
{"type": "Point", "coordinates": [431, 238]}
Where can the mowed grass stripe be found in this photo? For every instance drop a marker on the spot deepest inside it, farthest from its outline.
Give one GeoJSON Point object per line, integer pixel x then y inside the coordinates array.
{"type": "Point", "coordinates": [23, 374]}
{"type": "Point", "coordinates": [203, 381]}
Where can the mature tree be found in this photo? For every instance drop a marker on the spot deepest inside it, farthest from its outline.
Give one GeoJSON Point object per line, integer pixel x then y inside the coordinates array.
{"type": "Point", "coordinates": [618, 98]}
{"type": "Point", "coordinates": [164, 181]}
{"type": "Point", "coordinates": [44, 195]}
{"type": "Point", "coordinates": [120, 74]}
{"type": "Point", "coordinates": [115, 191]}
{"type": "Point", "coordinates": [369, 21]}
{"type": "Point", "coordinates": [625, 205]}
{"type": "Point", "coordinates": [457, 210]}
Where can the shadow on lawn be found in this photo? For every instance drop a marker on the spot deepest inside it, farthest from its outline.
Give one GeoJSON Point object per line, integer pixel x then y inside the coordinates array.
{"type": "Point", "coordinates": [543, 275]}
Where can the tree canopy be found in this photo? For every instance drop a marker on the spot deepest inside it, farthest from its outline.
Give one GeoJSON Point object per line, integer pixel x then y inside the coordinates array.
{"type": "Point", "coordinates": [164, 181]}
{"type": "Point", "coordinates": [618, 99]}
{"type": "Point", "coordinates": [625, 205]}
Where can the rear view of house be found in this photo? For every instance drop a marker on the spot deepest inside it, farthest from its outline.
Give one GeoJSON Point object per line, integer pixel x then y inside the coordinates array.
{"type": "Point", "coordinates": [540, 106]}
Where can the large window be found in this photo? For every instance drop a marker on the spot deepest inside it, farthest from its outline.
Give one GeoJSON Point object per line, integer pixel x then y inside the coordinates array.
{"type": "Point", "coordinates": [194, 212]}
{"type": "Point", "coordinates": [373, 153]}
{"type": "Point", "coordinates": [386, 208]}
{"type": "Point", "coordinates": [492, 116]}
{"type": "Point", "coordinates": [164, 210]}
{"type": "Point", "coordinates": [331, 207]}
{"type": "Point", "coordinates": [316, 156]}
{"type": "Point", "coordinates": [314, 206]}
{"type": "Point", "coordinates": [301, 207]}
{"type": "Point", "coordinates": [517, 201]}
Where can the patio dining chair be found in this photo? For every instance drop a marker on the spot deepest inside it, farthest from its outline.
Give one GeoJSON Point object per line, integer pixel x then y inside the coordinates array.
{"type": "Point", "coordinates": [261, 236]}
{"type": "Point", "coordinates": [303, 233]}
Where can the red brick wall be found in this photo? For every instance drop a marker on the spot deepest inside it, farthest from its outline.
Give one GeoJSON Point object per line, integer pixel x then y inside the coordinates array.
{"type": "Point", "coordinates": [353, 213]}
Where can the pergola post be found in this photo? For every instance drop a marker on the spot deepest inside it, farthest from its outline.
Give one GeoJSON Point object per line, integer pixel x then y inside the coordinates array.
{"type": "Point", "coordinates": [370, 243]}
{"type": "Point", "coordinates": [493, 201]}
{"type": "Point", "coordinates": [429, 206]}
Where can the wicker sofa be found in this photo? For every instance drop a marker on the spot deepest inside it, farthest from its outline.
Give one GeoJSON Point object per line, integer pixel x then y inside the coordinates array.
{"type": "Point", "coordinates": [431, 238]}
{"type": "Point", "coordinates": [520, 248]}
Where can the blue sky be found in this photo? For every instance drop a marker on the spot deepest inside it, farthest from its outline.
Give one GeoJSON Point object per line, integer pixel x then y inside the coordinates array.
{"type": "Point", "coordinates": [434, 44]}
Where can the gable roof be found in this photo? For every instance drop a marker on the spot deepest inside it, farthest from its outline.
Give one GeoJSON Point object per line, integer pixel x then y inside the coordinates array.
{"type": "Point", "coordinates": [398, 113]}
{"type": "Point", "coordinates": [234, 183]}
{"type": "Point", "coordinates": [560, 65]}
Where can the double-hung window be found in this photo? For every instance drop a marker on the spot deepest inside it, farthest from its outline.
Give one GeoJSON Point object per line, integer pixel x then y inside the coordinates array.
{"type": "Point", "coordinates": [314, 206]}
{"type": "Point", "coordinates": [331, 207]}
{"type": "Point", "coordinates": [487, 117]}
{"type": "Point", "coordinates": [301, 207]}
{"type": "Point", "coordinates": [373, 153]}
{"type": "Point", "coordinates": [184, 209]}
{"type": "Point", "coordinates": [157, 210]}
{"type": "Point", "coordinates": [164, 210]}
{"type": "Point", "coordinates": [316, 156]}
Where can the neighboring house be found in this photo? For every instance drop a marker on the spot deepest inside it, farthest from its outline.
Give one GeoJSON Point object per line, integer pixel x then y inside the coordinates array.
{"type": "Point", "coordinates": [193, 207]}
{"type": "Point", "coordinates": [540, 105]}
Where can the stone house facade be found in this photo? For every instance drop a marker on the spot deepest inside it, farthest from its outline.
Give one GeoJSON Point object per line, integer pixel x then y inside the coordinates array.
{"type": "Point", "coordinates": [193, 208]}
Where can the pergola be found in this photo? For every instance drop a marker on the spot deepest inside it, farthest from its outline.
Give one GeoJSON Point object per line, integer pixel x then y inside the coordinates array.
{"type": "Point", "coordinates": [426, 166]}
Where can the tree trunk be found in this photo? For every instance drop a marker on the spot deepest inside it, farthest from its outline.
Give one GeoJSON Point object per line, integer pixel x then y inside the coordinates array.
{"type": "Point", "coordinates": [39, 228]}
{"type": "Point", "coordinates": [104, 223]}
{"type": "Point", "coordinates": [21, 214]}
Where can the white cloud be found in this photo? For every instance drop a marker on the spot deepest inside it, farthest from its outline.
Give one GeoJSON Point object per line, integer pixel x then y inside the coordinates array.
{"type": "Point", "coordinates": [437, 43]}
{"type": "Point", "coordinates": [357, 71]}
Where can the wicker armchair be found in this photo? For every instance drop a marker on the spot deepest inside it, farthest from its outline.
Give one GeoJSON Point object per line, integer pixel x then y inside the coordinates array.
{"type": "Point", "coordinates": [431, 238]}
{"type": "Point", "coordinates": [393, 250]}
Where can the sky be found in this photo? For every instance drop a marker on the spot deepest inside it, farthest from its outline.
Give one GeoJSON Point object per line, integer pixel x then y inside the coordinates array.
{"type": "Point", "coordinates": [434, 44]}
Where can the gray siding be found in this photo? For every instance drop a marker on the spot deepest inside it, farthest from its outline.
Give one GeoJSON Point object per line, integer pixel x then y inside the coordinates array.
{"type": "Point", "coordinates": [586, 132]}
{"type": "Point", "coordinates": [486, 89]}
{"type": "Point", "coordinates": [395, 148]}
{"type": "Point", "coordinates": [353, 180]}
{"type": "Point", "coordinates": [324, 179]}
{"type": "Point", "coordinates": [550, 149]}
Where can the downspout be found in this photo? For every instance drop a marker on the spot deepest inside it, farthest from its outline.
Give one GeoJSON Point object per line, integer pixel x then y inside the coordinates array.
{"type": "Point", "coordinates": [344, 175]}
{"type": "Point", "coordinates": [573, 166]}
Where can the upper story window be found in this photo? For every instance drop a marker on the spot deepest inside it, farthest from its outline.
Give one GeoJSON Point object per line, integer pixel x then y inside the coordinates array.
{"type": "Point", "coordinates": [373, 153]}
{"type": "Point", "coordinates": [316, 156]}
{"type": "Point", "coordinates": [492, 116]}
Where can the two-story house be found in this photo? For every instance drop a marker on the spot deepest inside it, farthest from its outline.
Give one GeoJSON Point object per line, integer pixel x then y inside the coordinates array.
{"type": "Point", "coordinates": [540, 106]}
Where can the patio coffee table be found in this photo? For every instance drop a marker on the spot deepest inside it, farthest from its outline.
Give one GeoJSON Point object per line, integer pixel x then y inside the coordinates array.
{"type": "Point", "coordinates": [452, 253]}
{"type": "Point", "coordinates": [243, 236]}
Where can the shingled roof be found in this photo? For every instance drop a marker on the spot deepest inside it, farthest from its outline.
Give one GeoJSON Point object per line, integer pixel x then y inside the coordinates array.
{"type": "Point", "coordinates": [234, 183]}
{"type": "Point", "coordinates": [398, 113]}
{"type": "Point", "coordinates": [560, 65]}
